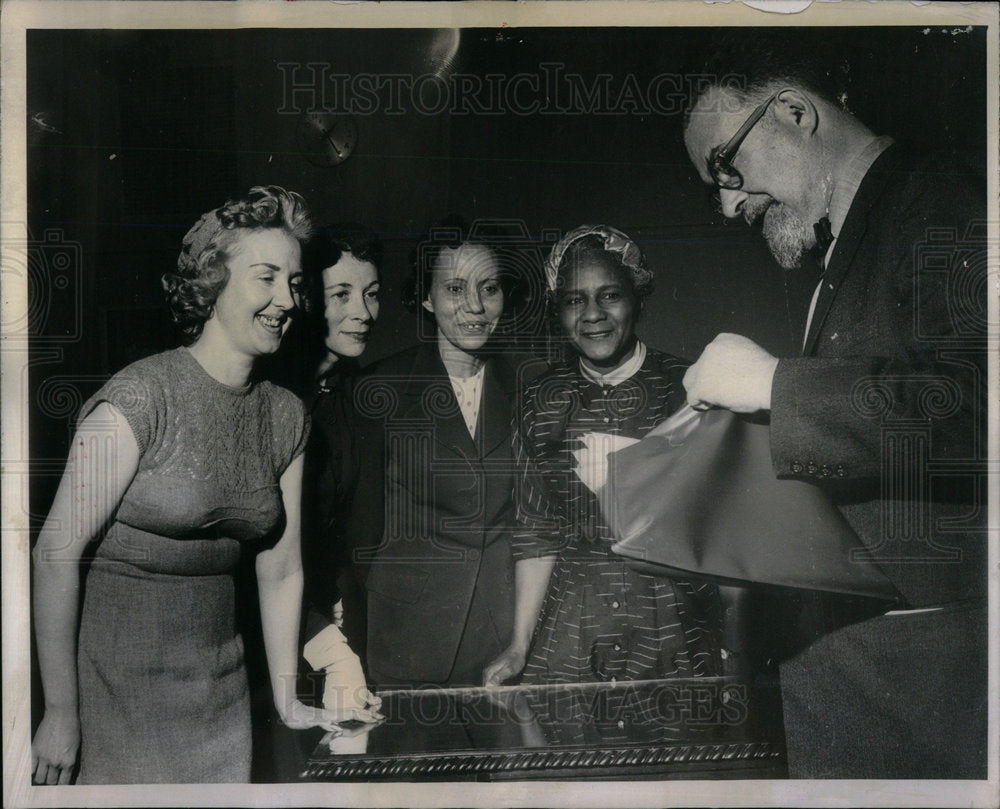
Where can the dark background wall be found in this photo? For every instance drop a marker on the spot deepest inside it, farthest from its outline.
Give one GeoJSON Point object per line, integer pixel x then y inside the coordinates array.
{"type": "Point", "coordinates": [135, 134]}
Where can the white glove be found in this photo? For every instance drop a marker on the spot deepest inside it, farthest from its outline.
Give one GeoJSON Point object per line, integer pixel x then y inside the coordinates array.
{"type": "Point", "coordinates": [345, 686]}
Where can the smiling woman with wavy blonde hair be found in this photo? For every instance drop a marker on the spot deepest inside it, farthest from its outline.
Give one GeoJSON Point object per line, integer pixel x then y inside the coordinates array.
{"type": "Point", "coordinates": [181, 463]}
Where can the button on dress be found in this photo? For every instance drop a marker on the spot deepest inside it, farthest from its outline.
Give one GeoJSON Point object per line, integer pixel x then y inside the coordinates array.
{"type": "Point", "coordinates": [602, 621]}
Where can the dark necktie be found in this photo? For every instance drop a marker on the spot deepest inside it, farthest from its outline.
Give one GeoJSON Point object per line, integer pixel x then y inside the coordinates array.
{"type": "Point", "coordinates": [824, 238]}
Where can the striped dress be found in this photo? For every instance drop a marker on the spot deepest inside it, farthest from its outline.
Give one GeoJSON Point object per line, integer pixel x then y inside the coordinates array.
{"type": "Point", "coordinates": [601, 620]}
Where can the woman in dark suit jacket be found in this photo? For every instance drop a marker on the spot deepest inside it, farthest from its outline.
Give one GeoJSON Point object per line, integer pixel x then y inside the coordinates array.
{"type": "Point", "coordinates": [432, 528]}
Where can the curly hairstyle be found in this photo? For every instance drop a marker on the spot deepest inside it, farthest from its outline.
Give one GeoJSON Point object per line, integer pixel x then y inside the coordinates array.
{"type": "Point", "coordinates": [201, 266]}
{"type": "Point", "coordinates": [326, 247]}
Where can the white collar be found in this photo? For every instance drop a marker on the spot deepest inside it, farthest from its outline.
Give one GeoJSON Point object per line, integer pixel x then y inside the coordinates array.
{"type": "Point", "coordinates": [624, 371]}
{"type": "Point", "coordinates": [469, 380]}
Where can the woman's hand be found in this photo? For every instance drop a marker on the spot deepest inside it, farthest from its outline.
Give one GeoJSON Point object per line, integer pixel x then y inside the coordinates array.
{"type": "Point", "coordinates": [365, 708]}
{"type": "Point", "coordinates": [299, 716]}
{"type": "Point", "coordinates": [531, 580]}
{"type": "Point", "coordinates": [507, 664]}
{"type": "Point", "coordinates": [344, 688]}
{"type": "Point", "coordinates": [55, 747]}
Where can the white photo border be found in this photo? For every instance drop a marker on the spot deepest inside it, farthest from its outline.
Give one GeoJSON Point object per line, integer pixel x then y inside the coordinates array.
{"type": "Point", "coordinates": [21, 15]}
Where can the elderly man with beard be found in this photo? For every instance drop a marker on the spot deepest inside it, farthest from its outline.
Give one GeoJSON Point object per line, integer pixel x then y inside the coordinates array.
{"type": "Point", "coordinates": [885, 410]}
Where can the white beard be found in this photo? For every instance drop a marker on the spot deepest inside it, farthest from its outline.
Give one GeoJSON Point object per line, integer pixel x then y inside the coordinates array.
{"type": "Point", "coordinates": [787, 235]}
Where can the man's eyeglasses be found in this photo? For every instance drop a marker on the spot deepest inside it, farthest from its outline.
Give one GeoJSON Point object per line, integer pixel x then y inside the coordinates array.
{"type": "Point", "coordinates": [720, 161]}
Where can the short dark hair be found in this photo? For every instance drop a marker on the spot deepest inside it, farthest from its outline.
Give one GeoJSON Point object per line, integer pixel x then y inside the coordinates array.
{"type": "Point", "coordinates": [452, 232]}
{"type": "Point", "coordinates": [330, 242]}
{"type": "Point", "coordinates": [327, 247]}
{"type": "Point", "coordinates": [748, 64]}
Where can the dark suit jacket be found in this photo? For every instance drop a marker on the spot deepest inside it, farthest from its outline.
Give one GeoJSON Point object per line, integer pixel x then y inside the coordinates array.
{"type": "Point", "coordinates": [332, 463]}
{"type": "Point", "coordinates": [886, 410]}
{"type": "Point", "coordinates": [433, 517]}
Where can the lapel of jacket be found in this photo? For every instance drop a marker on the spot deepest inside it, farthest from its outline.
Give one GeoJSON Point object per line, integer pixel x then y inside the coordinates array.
{"type": "Point", "coordinates": [495, 411]}
{"type": "Point", "coordinates": [429, 396]}
{"type": "Point", "coordinates": [851, 234]}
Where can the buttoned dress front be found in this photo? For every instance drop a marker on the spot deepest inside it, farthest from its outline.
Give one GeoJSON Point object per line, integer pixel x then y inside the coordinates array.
{"type": "Point", "coordinates": [602, 621]}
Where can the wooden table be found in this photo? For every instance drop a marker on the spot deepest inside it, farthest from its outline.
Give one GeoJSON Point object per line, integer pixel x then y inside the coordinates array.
{"type": "Point", "coordinates": [656, 729]}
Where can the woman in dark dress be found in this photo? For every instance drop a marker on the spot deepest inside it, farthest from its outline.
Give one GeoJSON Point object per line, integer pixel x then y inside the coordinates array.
{"type": "Point", "coordinates": [181, 463]}
{"type": "Point", "coordinates": [342, 295]}
{"type": "Point", "coordinates": [593, 618]}
{"type": "Point", "coordinates": [319, 361]}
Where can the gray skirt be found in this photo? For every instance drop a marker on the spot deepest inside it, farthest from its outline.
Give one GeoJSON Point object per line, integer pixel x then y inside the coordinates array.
{"type": "Point", "coordinates": [163, 687]}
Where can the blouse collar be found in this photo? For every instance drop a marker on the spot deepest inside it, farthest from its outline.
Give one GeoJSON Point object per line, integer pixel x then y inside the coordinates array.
{"type": "Point", "coordinates": [624, 371]}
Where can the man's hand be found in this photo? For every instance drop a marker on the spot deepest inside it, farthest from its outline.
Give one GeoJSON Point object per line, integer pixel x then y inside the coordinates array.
{"type": "Point", "coordinates": [732, 372]}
